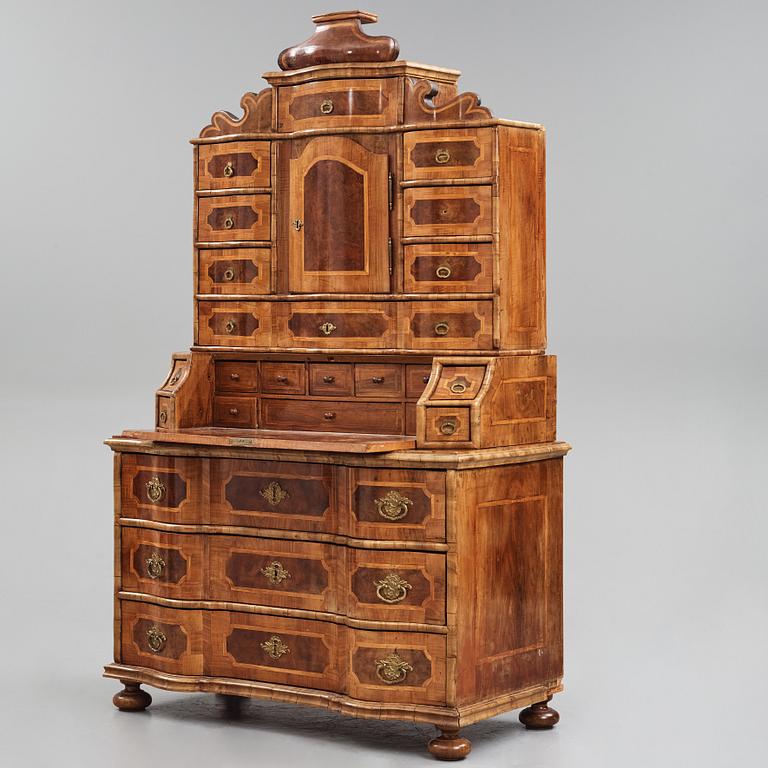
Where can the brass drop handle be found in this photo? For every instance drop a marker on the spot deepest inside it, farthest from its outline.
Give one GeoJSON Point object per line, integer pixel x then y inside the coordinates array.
{"type": "Point", "coordinates": [234, 411]}
{"type": "Point", "coordinates": [458, 387]}
{"type": "Point", "coordinates": [329, 415]}
{"type": "Point", "coordinates": [329, 379]}
{"type": "Point", "coordinates": [229, 275]}
{"type": "Point", "coordinates": [275, 572]}
{"type": "Point", "coordinates": [393, 505]}
{"type": "Point", "coordinates": [392, 588]}
{"type": "Point", "coordinates": [377, 379]}
{"type": "Point", "coordinates": [327, 328]}
{"type": "Point", "coordinates": [298, 224]}
{"type": "Point", "coordinates": [156, 639]}
{"type": "Point", "coordinates": [443, 271]}
{"type": "Point", "coordinates": [275, 647]}
{"type": "Point", "coordinates": [231, 326]}
{"type": "Point", "coordinates": [441, 329]}
{"type": "Point", "coordinates": [155, 489]}
{"type": "Point", "coordinates": [234, 376]}
{"type": "Point", "coordinates": [392, 669]}
{"type": "Point", "coordinates": [326, 106]}
{"type": "Point", "coordinates": [229, 169]}
{"type": "Point", "coordinates": [442, 156]}
{"type": "Point", "coordinates": [229, 222]}
{"type": "Point", "coordinates": [154, 565]}
{"type": "Point", "coordinates": [448, 427]}
{"type": "Point", "coordinates": [282, 379]}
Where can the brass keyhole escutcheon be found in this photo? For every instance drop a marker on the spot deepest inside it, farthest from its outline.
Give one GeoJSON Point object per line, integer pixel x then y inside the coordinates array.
{"type": "Point", "coordinates": [442, 156]}
{"type": "Point", "coordinates": [298, 224]}
{"type": "Point", "coordinates": [444, 212]}
{"type": "Point", "coordinates": [275, 647]}
{"type": "Point", "coordinates": [274, 493]}
{"type": "Point", "coordinates": [393, 505]}
{"type": "Point", "coordinates": [392, 588]}
{"type": "Point", "coordinates": [229, 275]}
{"type": "Point", "coordinates": [327, 328]}
{"type": "Point", "coordinates": [448, 427]}
{"type": "Point", "coordinates": [326, 106]}
{"type": "Point", "coordinates": [229, 170]}
{"type": "Point", "coordinates": [155, 565]}
{"type": "Point", "coordinates": [156, 639]}
{"type": "Point", "coordinates": [441, 329]}
{"type": "Point", "coordinates": [155, 489]}
{"type": "Point", "coordinates": [443, 271]}
{"type": "Point", "coordinates": [275, 572]}
{"type": "Point", "coordinates": [231, 326]}
{"type": "Point", "coordinates": [162, 417]}
{"type": "Point", "coordinates": [229, 222]}
{"type": "Point", "coordinates": [392, 669]}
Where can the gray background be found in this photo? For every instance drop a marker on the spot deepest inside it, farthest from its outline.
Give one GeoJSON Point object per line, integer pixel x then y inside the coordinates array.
{"type": "Point", "coordinates": [656, 116]}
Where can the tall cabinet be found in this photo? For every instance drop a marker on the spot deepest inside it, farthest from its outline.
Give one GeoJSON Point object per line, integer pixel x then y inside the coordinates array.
{"type": "Point", "coordinates": [352, 493]}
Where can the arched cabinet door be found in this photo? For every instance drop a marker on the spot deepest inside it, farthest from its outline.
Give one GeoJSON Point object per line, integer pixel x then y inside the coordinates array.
{"type": "Point", "coordinates": [338, 233]}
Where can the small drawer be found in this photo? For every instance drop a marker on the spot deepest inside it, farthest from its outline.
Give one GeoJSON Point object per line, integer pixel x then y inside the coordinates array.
{"type": "Point", "coordinates": [338, 103]}
{"type": "Point", "coordinates": [410, 418]}
{"type": "Point", "coordinates": [233, 164]}
{"type": "Point", "coordinates": [397, 586]}
{"type": "Point", "coordinates": [456, 154]}
{"type": "Point", "coordinates": [163, 564]}
{"type": "Point", "coordinates": [416, 378]}
{"type": "Point", "coordinates": [165, 412]}
{"type": "Point", "coordinates": [237, 377]}
{"type": "Point", "coordinates": [284, 378]}
{"type": "Point", "coordinates": [233, 218]}
{"type": "Point", "coordinates": [459, 382]}
{"type": "Point", "coordinates": [431, 211]}
{"type": "Point", "coordinates": [330, 379]}
{"type": "Point", "coordinates": [320, 416]}
{"type": "Point", "coordinates": [234, 270]}
{"type": "Point", "coordinates": [396, 504]}
{"type": "Point", "coordinates": [449, 325]}
{"type": "Point", "coordinates": [273, 649]}
{"type": "Point", "coordinates": [287, 574]}
{"type": "Point", "coordinates": [166, 639]}
{"type": "Point", "coordinates": [379, 380]}
{"type": "Point", "coordinates": [447, 425]}
{"type": "Point", "coordinates": [449, 268]}
{"type": "Point", "coordinates": [234, 324]}
{"type": "Point", "coordinates": [231, 411]}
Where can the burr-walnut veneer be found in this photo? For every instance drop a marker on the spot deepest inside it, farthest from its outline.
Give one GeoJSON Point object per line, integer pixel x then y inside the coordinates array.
{"type": "Point", "coordinates": [352, 495]}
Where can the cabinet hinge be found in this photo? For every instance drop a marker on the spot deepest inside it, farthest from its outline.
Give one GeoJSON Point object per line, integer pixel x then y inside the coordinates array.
{"type": "Point", "coordinates": [391, 190]}
{"type": "Point", "coordinates": [389, 253]}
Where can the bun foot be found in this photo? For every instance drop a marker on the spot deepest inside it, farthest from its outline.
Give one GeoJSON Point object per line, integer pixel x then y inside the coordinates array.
{"type": "Point", "coordinates": [131, 698]}
{"type": "Point", "coordinates": [539, 717]}
{"type": "Point", "coordinates": [449, 746]}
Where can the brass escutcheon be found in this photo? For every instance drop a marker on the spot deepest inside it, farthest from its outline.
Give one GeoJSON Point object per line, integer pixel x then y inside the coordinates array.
{"type": "Point", "coordinates": [275, 572]}
{"type": "Point", "coordinates": [274, 493]}
{"type": "Point", "coordinates": [393, 506]}
{"type": "Point", "coordinates": [275, 647]}
{"type": "Point", "coordinates": [448, 426]}
{"type": "Point", "coordinates": [326, 106]}
{"type": "Point", "coordinates": [155, 489]}
{"type": "Point", "coordinates": [156, 639]}
{"type": "Point", "coordinates": [392, 588]}
{"type": "Point", "coordinates": [392, 669]}
{"type": "Point", "coordinates": [231, 326]}
{"type": "Point", "coordinates": [442, 156]}
{"type": "Point", "coordinates": [327, 328]}
{"type": "Point", "coordinates": [443, 271]}
{"type": "Point", "coordinates": [155, 565]}
{"type": "Point", "coordinates": [441, 329]}
{"type": "Point", "coordinates": [229, 170]}
{"type": "Point", "coordinates": [229, 274]}
{"type": "Point", "coordinates": [298, 224]}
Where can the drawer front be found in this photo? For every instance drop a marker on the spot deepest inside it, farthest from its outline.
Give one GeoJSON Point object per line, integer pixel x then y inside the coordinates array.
{"type": "Point", "coordinates": [288, 574]}
{"type": "Point", "coordinates": [456, 154]}
{"type": "Point", "coordinates": [416, 378]}
{"type": "Point", "coordinates": [233, 164]}
{"type": "Point", "coordinates": [372, 380]}
{"type": "Point", "coordinates": [234, 324]}
{"type": "Point", "coordinates": [284, 378]}
{"type": "Point", "coordinates": [160, 488]}
{"type": "Point", "coordinates": [410, 418]}
{"type": "Point", "coordinates": [338, 103]}
{"type": "Point", "coordinates": [444, 211]}
{"type": "Point", "coordinates": [337, 325]}
{"type": "Point", "coordinates": [230, 411]}
{"type": "Point", "coordinates": [234, 270]}
{"type": "Point", "coordinates": [164, 564]}
{"type": "Point", "coordinates": [232, 218]}
{"type": "Point", "coordinates": [237, 377]}
{"type": "Point", "coordinates": [406, 667]}
{"type": "Point", "coordinates": [447, 425]}
{"type": "Point", "coordinates": [449, 325]}
{"type": "Point", "coordinates": [459, 382]}
{"type": "Point", "coordinates": [397, 586]}
{"type": "Point", "coordinates": [162, 638]}
{"type": "Point", "coordinates": [272, 494]}
{"type": "Point", "coordinates": [331, 379]}
{"type": "Point", "coordinates": [396, 504]}
{"type": "Point", "coordinates": [273, 649]}
{"type": "Point", "coordinates": [449, 268]}
{"type": "Point", "coordinates": [326, 416]}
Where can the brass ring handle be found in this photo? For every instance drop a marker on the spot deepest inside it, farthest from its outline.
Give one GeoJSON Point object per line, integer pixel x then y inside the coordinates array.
{"type": "Point", "coordinates": [326, 106]}
{"type": "Point", "coordinates": [448, 427]}
{"type": "Point", "coordinates": [275, 647]}
{"type": "Point", "coordinates": [441, 329]}
{"type": "Point", "coordinates": [234, 411]}
{"type": "Point", "coordinates": [327, 328]}
{"type": "Point", "coordinates": [155, 489]}
{"type": "Point", "coordinates": [231, 326]}
{"type": "Point", "coordinates": [392, 669]}
{"type": "Point", "coordinates": [156, 639]}
{"type": "Point", "coordinates": [229, 222]}
{"type": "Point", "coordinates": [329, 379]}
{"type": "Point", "coordinates": [442, 156]}
{"type": "Point", "coordinates": [229, 169]}
{"type": "Point", "coordinates": [229, 275]}
{"type": "Point", "coordinates": [329, 415]}
{"type": "Point", "coordinates": [154, 565]}
{"type": "Point", "coordinates": [377, 379]}
{"type": "Point", "coordinates": [275, 572]}
{"type": "Point", "coordinates": [392, 588]}
{"type": "Point", "coordinates": [162, 417]}
{"type": "Point", "coordinates": [393, 505]}
{"type": "Point", "coordinates": [443, 271]}
{"type": "Point", "coordinates": [234, 376]}
{"type": "Point", "coordinates": [458, 387]}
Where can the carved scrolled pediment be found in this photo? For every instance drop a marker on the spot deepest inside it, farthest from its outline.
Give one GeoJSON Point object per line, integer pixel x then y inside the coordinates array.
{"type": "Point", "coordinates": [432, 102]}
{"type": "Point", "coordinates": [257, 116]}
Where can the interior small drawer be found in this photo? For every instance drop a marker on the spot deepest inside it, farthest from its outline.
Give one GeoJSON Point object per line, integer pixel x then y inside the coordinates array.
{"type": "Point", "coordinates": [441, 211]}
{"type": "Point", "coordinates": [459, 154]}
{"type": "Point", "coordinates": [378, 380]}
{"type": "Point", "coordinates": [447, 425]}
{"type": "Point", "coordinates": [416, 379]}
{"type": "Point", "coordinates": [329, 416]}
{"type": "Point", "coordinates": [458, 382]}
{"type": "Point", "coordinates": [235, 411]}
{"type": "Point", "coordinates": [331, 379]}
{"type": "Point", "coordinates": [235, 376]}
{"type": "Point", "coordinates": [231, 218]}
{"type": "Point", "coordinates": [449, 268]}
{"type": "Point", "coordinates": [449, 324]}
{"type": "Point", "coordinates": [284, 378]}
{"type": "Point", "coordinates": [233, 164]}
{"type": "Point", "coordinates": [234, 270]}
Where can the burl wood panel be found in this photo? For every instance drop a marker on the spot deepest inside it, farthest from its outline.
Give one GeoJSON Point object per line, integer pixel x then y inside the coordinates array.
{"type": "Point", "coordinates": [338, 211]}
{"type": "Point", "coordinates": [448, 325]}
{"type": "Point", "coordinates": [275, 649]}
{"type": "Point", "coordinates": [324, 416]}
{"type": "Point", "coordinates": [448, 268]}
{"type": "Point", "coordinates": [397, 504]}
{"type": "Point", "coordinates": [379, 380]}
{"type": "Point", "coordinates": [509, 578]}
{"type": "Point", "coordinates": [441, 211]}
{"type": "Point", "coordinates": [234, 324]}
{"type": "Point", "coordinates": [273, 494]}
{"type": "Point", "coordinates": [228, 271]}
{"type": "Point", "coordinates": [163, 564]}
{"type": "Point", "coordinates": [231, 411]}
{"type": "Point", "coordinates": [230, 218]}
{"type": "Point", "coordinates": [237, 164]}
{"type": "Point", "coordinates": [458, 153]}
{"type": "Point", "coordinates": [166, 639]}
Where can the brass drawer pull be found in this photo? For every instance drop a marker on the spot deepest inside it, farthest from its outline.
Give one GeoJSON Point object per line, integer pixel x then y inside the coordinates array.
{"type": "Point", "coordinates": [274, 493]}
{"type": "Point", "coordinates": [155, 565]}
{"type": "Point", "coordinates": [229, 275]}
{"type": "Point", "coordinates": [329, 415]}
{"type": "Point", "coordinates": [425, 379]}
{"type": "Point", "coordinates": [234, 411]}
{"type": "Point", "coordinates": [326, 106]}
{"type": "Point", "coordinates": [234, 376]}
{"type": "Point", "coordinates": [444, 212]}
{"type": "Point", "coordinates": [156, 639]}
{"type": "Point", "coordinates": [393, 505]}
{"type": "Point", "coordinates": [441, 329]}
{"type": "Point", "coordinates": [275, 647]}
{"type": "Point", "coordinates": [162, 417]}
{"type": "Point", "coordinates": [229, 169]}
{"type": "Point", "coordinates": [275, 572]}
{"type": "Point", "coordinates": [443, 271]}
{"type": "Point", "coordinates": [392, 588]}
{"type": "Point", "coordinates": [448, 427]}
{"type": "Point", "coordinates": [282, 379]}
{"type": "Point", "coordinates": [377, 379]}
{"type": "Point", "coordinates": [231, 326]}
{"type": "Point", "coordinates": [329, 379]}
{"type": "Point", "coordinates": [392, 669]}
{"type": "Point", "coordinates": [298, 224]}
{"type": "Point", "coordinates": [155, 490]}
{"type": "Point", "coordinates": [229, 222]}
{"type": "Point", "coordinates": [442, 156]}
{"type": "Point", "coordinates": [327, 328]}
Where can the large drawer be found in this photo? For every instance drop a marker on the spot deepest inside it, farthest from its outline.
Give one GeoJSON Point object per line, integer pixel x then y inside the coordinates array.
{"type": "Point", "coordinates": [330, 416]}
{"type": "Point", "coordinates": [448, 325]}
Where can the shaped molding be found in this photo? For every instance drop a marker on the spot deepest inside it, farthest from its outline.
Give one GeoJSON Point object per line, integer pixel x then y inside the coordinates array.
{"type": "Point", "coordinates": [426, 101]}
{"type": "Point", "coordinates": [257, 116]}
